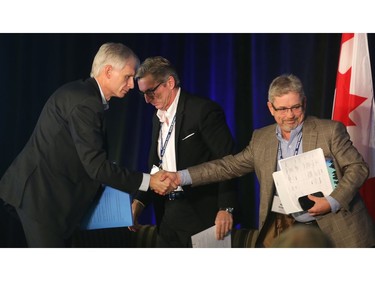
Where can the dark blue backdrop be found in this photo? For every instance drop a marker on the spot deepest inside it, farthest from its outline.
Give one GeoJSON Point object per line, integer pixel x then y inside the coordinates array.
{"type": "Point", "coordinates": [232, 69]}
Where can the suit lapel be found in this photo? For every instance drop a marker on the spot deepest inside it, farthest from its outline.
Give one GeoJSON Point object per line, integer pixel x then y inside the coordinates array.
{"type": "Point", "coordinates": [270, 166]}
{"type": "Point", "coordinates": [310, 135]}
{"type": "Point", "coordinates": [179, 117]}
{"type": "Point", "coordinates": [91, 82]}
{"type": "Point", "coordinates": [154, 140]}
{"type": "Point", "coordinates": [271, 154]}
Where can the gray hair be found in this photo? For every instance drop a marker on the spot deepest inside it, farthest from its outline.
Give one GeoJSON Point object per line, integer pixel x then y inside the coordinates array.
{"type": "Point", "coordinates": [159, 68]}
{"type": "Point", "coordinates": [283, 85]}
{"type": "Point", "coordinates": [114, 54]}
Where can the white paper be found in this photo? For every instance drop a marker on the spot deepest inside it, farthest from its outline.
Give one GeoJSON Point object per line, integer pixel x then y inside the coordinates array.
{"type": "Point", "coordinates": [283, 191]}
{"type": "Point", "coordinates": [207, 239]}
{"type": "Point", "coordinates": [300, 175]}
{"type": "Point", "coordinates": [277, 206]}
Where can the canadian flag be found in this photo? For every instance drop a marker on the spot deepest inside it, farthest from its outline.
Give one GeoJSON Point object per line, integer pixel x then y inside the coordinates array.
{"type": "Point", "coordinates": [354, 104]}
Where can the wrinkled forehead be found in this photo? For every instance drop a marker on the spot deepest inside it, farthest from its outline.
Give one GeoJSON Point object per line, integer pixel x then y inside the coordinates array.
{"type": "Point", "coordinates": [146, 82]}
{"type": "Point", "coordinates": [288, 99]}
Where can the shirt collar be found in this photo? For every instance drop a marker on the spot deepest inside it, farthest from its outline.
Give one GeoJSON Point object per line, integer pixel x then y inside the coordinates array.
{"type": "Point", "coordinates": [104, 101]}
{"type": "Point", "coordinates": [171, 111]}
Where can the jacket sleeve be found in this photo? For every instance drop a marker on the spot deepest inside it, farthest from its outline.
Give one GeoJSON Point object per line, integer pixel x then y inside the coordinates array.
{"type": "Point", "coordinates": [86, 127]}
{"type": "Point", "coordinates": [353, 170]}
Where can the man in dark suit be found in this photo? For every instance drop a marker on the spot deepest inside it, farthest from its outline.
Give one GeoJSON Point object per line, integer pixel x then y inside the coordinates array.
{"type": "Point", "coordinates": [57, 175]}
{"type": "Point", "coordinates": [187, 130]}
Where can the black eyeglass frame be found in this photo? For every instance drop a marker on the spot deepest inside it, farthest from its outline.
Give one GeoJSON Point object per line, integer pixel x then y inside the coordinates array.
{"type": "Point", "coordinates": [150, 92]}
{"type": "Point", "coordinates": [284, 110]}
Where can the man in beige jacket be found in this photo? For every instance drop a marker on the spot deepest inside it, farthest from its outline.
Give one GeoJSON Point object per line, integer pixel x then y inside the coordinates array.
{"type": "Point", "coordinates": [342, 215]}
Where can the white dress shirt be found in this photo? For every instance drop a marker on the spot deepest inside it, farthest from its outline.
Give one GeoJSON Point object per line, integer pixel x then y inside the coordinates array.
{"type": "Point", "coordinates": [166, 118]}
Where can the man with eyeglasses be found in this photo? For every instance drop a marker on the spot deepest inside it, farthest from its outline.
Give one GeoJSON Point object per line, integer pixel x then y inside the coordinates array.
{"type": "Point", "coordinates": [187, 130]}
{"type": "Point", "coordinates": [342, 215]}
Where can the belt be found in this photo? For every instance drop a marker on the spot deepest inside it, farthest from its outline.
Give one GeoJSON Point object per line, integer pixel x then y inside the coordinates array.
{"type": "Point", "coordinates": [174, 195]}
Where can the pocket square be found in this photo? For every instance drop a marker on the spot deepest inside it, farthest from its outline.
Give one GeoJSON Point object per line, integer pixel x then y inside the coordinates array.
{"type": "Point", "coordinates": [188, 136]}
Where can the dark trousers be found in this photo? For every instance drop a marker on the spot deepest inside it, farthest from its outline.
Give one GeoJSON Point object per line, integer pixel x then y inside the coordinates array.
{"type": "Point", "coordinates": [179, 223]}
{"type": "Point", "coordinates": [11, 233]}
{"type": "Point", "coordinates": [38, 235]}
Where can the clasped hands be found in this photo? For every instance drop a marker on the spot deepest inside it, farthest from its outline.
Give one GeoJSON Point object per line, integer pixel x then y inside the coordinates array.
{"type": "Point", "coordinates": [164, 182]}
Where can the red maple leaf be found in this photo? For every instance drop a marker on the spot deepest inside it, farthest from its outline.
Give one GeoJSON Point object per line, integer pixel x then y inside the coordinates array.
{"type": "Point", "coordinates": [345, 102]}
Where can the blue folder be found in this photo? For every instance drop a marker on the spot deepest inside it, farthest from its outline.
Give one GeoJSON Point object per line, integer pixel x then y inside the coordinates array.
{"type": "Point", "coordinates": [113, 209]}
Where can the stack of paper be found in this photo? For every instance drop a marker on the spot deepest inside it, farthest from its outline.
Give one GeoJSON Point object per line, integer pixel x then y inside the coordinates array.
{"type": "Point", "coordinates": [300, 175]}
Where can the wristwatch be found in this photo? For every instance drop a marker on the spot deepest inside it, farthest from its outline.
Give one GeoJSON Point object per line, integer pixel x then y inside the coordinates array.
{"type": "Point", "coordinates": [229, 210]}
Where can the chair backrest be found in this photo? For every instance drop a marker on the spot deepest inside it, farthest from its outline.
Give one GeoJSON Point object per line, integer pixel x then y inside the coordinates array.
{"type": "Point", "coordinates": [145, 237]}
{"type": "Point", "coordinates": [244, 238]}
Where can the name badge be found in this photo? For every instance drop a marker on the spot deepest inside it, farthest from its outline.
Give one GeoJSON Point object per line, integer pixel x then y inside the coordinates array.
{"type": "Point", "coordinates": [154, 169]}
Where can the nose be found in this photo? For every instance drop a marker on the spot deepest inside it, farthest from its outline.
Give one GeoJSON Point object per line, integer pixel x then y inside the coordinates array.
{"type": "Point", "coordinates": [131, 83]}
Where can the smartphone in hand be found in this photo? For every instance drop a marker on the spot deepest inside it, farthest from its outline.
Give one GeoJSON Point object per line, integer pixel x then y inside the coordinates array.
{"type": "Point", "coordinates": [306, 203]}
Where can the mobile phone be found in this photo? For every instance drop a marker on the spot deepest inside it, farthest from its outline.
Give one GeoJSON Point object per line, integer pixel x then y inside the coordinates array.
{"type": "Point", "coordinates": [306, 203]}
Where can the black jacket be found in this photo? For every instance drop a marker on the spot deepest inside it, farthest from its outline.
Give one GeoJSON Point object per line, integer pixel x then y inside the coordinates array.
{"type": "Point", "coordinates": [59, 171]}
{"type": "Point", "coordinates": [201, 134]}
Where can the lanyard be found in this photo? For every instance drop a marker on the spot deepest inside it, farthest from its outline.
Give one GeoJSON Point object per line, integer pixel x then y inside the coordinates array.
{"type": "Point", "coordinates": [295, 150]}
{"type": "Point", "coordinates": [163, 146]}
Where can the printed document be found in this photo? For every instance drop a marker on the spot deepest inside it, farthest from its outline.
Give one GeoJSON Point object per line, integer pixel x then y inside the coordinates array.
{"type": "Point", "coordinates": [113, 209]}
{"type": "Point", "coordinates": [300, 175]}
{"type": "Point", "coordinates": [207, 239]}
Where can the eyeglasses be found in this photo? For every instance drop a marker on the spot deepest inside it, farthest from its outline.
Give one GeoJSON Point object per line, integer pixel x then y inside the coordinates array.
{"type": "Point", "coordinates": [284, 110]}
{"type": "Point", "coordinates": [150, 93]}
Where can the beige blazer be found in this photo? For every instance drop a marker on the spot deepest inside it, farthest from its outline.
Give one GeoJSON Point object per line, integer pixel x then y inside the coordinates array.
{"type": "Point", "coordinates": [351, 226]}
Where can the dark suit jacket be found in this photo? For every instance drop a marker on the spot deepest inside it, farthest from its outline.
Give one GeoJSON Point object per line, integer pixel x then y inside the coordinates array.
{"type": "Point", "coordinates": [201, 134]}
{"type": "Point", "coordinates": [351, 226]}
{"type": "Point", "coordinates": [59, 171]}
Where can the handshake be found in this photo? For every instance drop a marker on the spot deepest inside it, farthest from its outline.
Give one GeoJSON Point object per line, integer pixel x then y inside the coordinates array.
{"type": "Point", "coordinates": [164, 182]}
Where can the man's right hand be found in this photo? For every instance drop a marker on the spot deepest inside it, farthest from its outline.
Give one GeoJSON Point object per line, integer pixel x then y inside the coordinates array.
{"type": "Point", "coordinates": [174, 177]}
{"type": "Point", "coordinates": [161, 183]}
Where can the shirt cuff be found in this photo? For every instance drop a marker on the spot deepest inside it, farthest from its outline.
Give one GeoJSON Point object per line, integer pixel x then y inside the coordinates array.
{"type": "Point", "coordinates": [145, 182]}
{"type": "Point", "coordinates": [335, 206]}
{"type": "Point", "coordinates": [185, 177]}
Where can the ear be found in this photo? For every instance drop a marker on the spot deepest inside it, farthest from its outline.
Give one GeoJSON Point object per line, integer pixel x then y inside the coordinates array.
{"type": "Point", "coordinates": [270, 108]}
{"type": "Point", "coordinates": [171, 82]}
{"type": "Point", "coordinates": [108, 71]}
